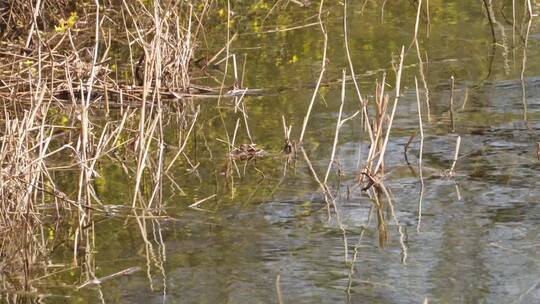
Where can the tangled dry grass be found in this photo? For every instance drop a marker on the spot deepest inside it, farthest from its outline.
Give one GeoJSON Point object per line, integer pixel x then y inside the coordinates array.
{"type": "Point", "coordinates": [70, 100]}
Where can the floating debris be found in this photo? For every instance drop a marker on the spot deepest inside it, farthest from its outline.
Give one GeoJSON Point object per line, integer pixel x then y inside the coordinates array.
{"type": "Point", "coordinates": [246, 152]}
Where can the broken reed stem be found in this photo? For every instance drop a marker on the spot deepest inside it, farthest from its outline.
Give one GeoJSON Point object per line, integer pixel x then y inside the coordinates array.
{"type": "Point", "coordinates": [398, 85]}
{"type": "Point", "coordinates": [381, 105]}
{"type": "Point", "coordinates": [465, 99]}
{"type": "Point", "coordinates": [197, 203]}
{"type": "Point", "coordinates": [338, 126]}
{"type": "Point", "coordinates": [286, 130]}
{"type": "Point", "coordinates": [374, 146]}
{"type": "Point", "coordinates": [456, 153]}
{"type": "Point", "coordinates": [451, 105]}
{"type": "Point", "coordinates": [244, 114]}
{"type": "Point", "coordinates": [231, 144]}
{"type": "Point", "coordinates": [323, 69]}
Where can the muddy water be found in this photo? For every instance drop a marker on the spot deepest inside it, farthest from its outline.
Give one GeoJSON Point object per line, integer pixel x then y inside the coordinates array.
{"type": "Point", "coordinates": [267, 236]}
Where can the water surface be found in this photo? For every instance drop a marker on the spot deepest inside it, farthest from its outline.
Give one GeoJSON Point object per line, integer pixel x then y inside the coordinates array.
{"type": "Point", "coordinates": [473, 238]}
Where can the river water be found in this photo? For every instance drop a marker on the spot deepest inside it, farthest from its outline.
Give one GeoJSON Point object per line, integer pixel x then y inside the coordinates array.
{"type": "Point", "coordinates": [266, 236]}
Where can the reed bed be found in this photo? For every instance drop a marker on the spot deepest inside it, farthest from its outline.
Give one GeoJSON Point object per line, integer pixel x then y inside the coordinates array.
{"type": "Point", "coordinates": [57, 83]}
{"type": "Point", "coordinates": [68, 105]}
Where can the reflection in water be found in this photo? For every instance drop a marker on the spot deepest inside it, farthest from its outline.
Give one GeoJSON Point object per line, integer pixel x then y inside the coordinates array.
{"type": "Point", "coordinates": [274, 228]}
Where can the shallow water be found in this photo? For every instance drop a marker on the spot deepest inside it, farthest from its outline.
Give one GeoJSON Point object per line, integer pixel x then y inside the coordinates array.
{"type": "Point", "coordinates": [471, 239]}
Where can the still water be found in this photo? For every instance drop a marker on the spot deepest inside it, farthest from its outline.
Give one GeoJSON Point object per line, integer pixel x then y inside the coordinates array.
{"type": "Point", "coordinates": [266, 236]}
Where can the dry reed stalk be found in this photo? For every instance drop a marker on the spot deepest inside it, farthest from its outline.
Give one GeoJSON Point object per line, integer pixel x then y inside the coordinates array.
{"type": "Point", "coordinates": [321, 74]}
{"type": "Point", "coordinates": [324, 183]}
{"type": "Point", "coordinates": [524, 63]}
{"type": "Point", "coordinates": [396, 98]}
{"type": "Point", "coordinates": [451, 105]}
{"type": "Point", "coordinates": [465, 99]}
{"type": "Point", "coordinates": [381, 106]}
{"type": "Point", "coordinates": [451, 172]}
{"type": "Point", "coordinates": [428, 17]}
{"type": "Point", "coordinates": [402, 237]}
{"type": "Point", "coordinates": [288, 29]}
{"type": "Point", "coordinates": [25, 186]}
{"type": "Point", "coordinates": [288, 147]}
{"type": "Point", "coordinates": [140, 144]}
{"type": "Point", "coordinates": [339, 124]}
{"type": "Point", "coordinates": [489, 12]}
{"type": "Point", "coordinates": [227, 56]}
{"type": "Point", "coordinates": [336, 133]}
{"type": "Point", "coordinates": [364, 121]}
{"type": "Point", "coordinates": [98, 281]}
{"type": "Point", "coordinates": [514, 30]}
{"type": "Point", "coordinates": [231, 144]}
{"type": "Point", "coordinates": [529, 9]}
{"type": "Point", "coordinates": [84, 144]}
{"type": "Point", "coordinates": [278, 290]}
{"type": "Point", "coordinates": [420, 63]}
{"type": "Point", "coordinates": [382, 226]}
{"type": "Point", "coordinates": [357, 250]}
{"type": "Point", "coordinates": [330, 201]}
{"type": "Point", "coordinates": [382, 10]}
{"type": "Point", "coordinates": [353, 76]}
{"type": "Point", "coordinates": [423, 77]}
{"type": "Point", "coordinates": [155, 258]}
{"type": "Point", "coordinates": [416, 25]}
{"type": "Point", "coordinates": [166, 63]}
{"type": "Point", "coordinates": [183, 146]}
{"type": "Point", "coordinates": [420, 126]}
{"type": "Point", "coordinates": [240, 106]}
{"type": "Point", "coordinates": [420, 202]}
{"type": "Point", "coordinates": [378, 147]}
{"type": "Point", "coordinates": [197, 203]}
{"type": "Point", "coordinates": [420, 154]}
